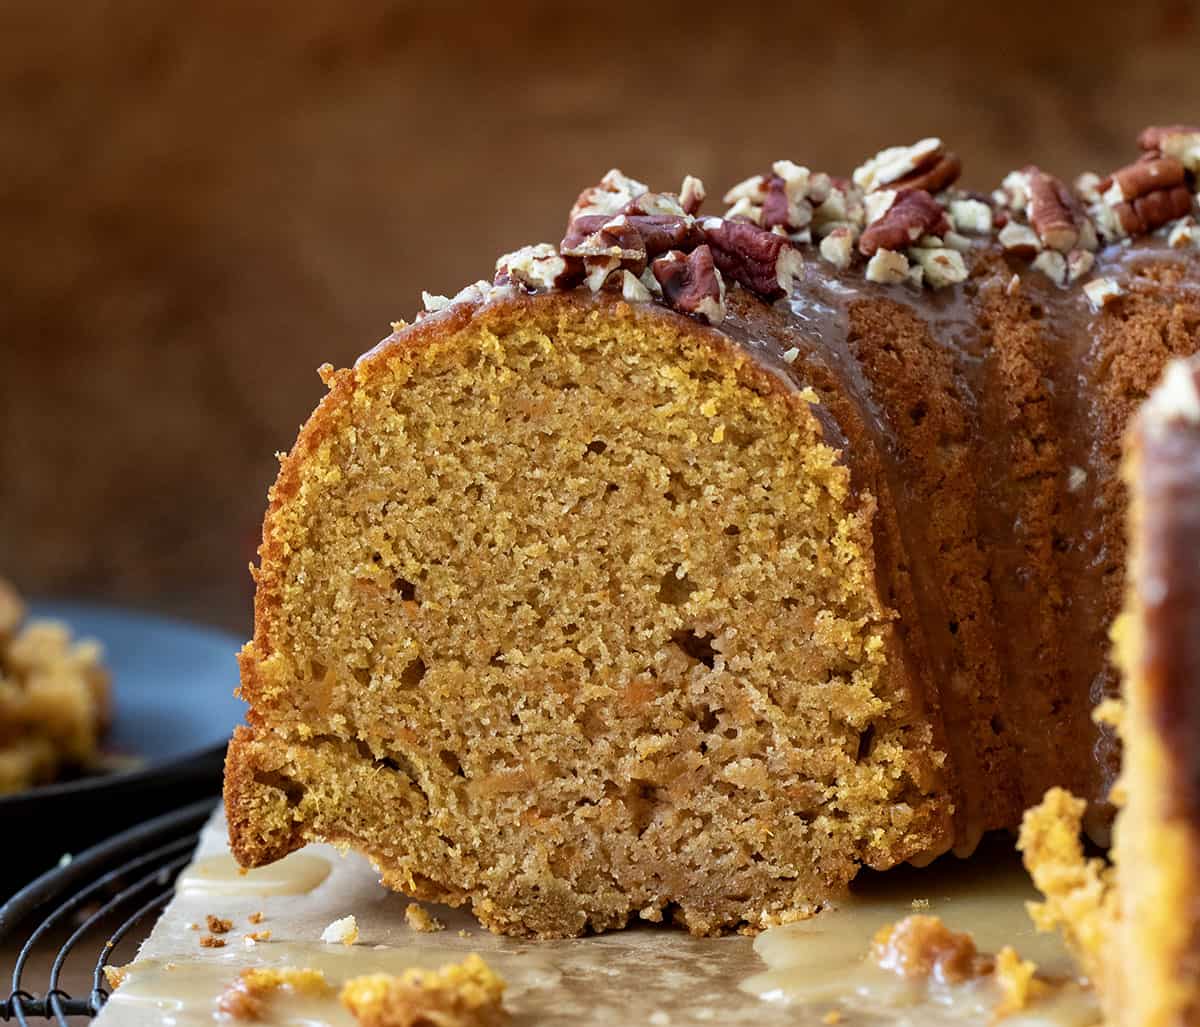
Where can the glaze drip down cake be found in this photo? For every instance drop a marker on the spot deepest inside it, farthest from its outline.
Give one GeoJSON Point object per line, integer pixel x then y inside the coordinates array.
{"type": "Point", "coordinates": [693, 564]}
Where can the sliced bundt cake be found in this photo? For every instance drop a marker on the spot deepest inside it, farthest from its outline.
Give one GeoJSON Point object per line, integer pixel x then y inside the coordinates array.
{"type": "Point", "coordinates": [698, 561]}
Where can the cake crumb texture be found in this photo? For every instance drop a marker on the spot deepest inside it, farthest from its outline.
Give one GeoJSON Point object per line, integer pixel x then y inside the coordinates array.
{"type": "Point", "coordinates": [1079, 896]}
{"type": "Point", "coordinates": [571, 612]}
{"type": "Point", "coordinates": [466, 994]}
{"type": "Point", "coordinates": [420, 919]}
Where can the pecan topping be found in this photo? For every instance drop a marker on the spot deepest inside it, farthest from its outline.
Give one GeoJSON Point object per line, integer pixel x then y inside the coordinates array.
{"type": "Point", "coordinates": [538, 267]}
{"type": "Point", "coordinates": [631, 239]}
{"type": "Point", "coordinates": [940, 174]}
{"type": "Point", "coordinates": [1143, 176]}
{"type": "Point", "coordinates": [914, 213]}
{"type": "Point", "coordinates": [765, 263]}
{"type": "Point", "coordinates": [1051, 211]}
{"type": "Point", "coordinates": [609, 196]}
{"type": "Point", "coordinates": [1153, 210]}
{"type": "Point", "coordinates": [896, 163]}
{"type": "Point", "coordinates": [691, 283]}
{"type": "Point", "coordinates": [691, 194]}
{"type": "Point", "coordinates": [1158, 138]}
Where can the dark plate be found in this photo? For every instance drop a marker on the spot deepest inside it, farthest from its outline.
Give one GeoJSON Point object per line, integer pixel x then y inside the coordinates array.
{"type": "Point", "coordinates": [173, 712]}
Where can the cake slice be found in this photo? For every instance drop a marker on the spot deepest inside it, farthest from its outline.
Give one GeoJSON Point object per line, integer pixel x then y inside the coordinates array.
{"type": "Point", "coordinates": [694, 563]}
{"type": "Point", "coordinates": [1155, 978]}
{"type": "Point", "coordinates": [1134, 923]}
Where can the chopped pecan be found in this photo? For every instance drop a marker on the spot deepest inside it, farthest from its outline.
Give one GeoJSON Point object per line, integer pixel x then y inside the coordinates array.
{"type": "Point", "coordinates": [838, 246]}
{"type": "Point", "coordinates": [691, 194]}
{"type": "Point", "coordinates": [971, 215]}
{"type": "Point", "coordinates": [940, 174]}
{"type": "Point", "coordinates": [1052, 211]}
{"type": "Point", "coordinates": [631, 238]}
{"type": "Point", "coordinates": [752, 189]}
{"type": "Point", "coordinates": [1019, 240]}
{"type": "Point", "coordinates": [1146, 213]}
{"type": "Point", "coordinates": [538, 267]}
{"type": "Point", "coordinates": [888, 267]}
{"type": "Point", "coordinates": [783, 208]}
{"type": "Point", "coordinates": [941, 265]}
{"type": "Point", "coordinates": [1158, 138]}
{"type": "Point", "coordinates": [897, 162]}
{"type": "Point", "coordinates": [691, 283]}
{"type": "Point", "coordinates": [913, 214]}
{"type": "Point", "coordinates": [662, 232]}
{"type": "Point", "coordinates": [763, 262]}
{"type": "Point", "coordinates": [609, 196]}
{"type": "Point", "coordinates": [1143, 176]}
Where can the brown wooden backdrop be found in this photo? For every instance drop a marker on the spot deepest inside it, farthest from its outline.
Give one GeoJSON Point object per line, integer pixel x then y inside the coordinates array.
{"type": "Point", "coordinates": [201, 201]}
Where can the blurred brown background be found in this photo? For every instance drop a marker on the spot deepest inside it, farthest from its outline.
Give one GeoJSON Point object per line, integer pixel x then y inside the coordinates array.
{"type": "Point", "coordinates": [201, 201]}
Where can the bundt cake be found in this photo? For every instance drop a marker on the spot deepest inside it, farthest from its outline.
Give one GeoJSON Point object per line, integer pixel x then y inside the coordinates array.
{"type": "Point", "coordinates": [695, 562]}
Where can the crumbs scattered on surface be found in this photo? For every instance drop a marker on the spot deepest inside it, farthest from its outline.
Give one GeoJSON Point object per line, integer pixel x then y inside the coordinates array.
{"type": "Point", "coordinates": [256, 918]}
{"type": "Point", "coordinates": [466, 994]}
{"type": "Point", "coordinates": [923, 946]}
{"type": "Point", "coordinates": [254, 937]}
{"type": "Point", "coordinates": [218, 925]}
{"type": "Point", "coordinates": [1018, 983]}
{"type": "Point", "coordinates": [1080, 893]}
{"type": "Point", "coordinates": [344, 931]}
{"type": "Point", "coordinates": [246, 998]}
{"type": "Point", "coordinates": [210, 941]}
{"type": "Point", "coordinates": [420, 919]}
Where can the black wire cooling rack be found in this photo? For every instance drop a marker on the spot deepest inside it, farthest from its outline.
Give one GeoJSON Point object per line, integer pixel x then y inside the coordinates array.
{"type": "Point", "coordinates": [97, 899]}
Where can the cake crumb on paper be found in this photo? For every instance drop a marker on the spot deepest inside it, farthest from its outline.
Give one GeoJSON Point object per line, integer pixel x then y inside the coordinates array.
{"type": "Point", "coordinates": [420, 919]}
{"type": "Point", "coordinates": [344, 931]}
{"type": "Point", "coordinates": [466, 994]}
{"type": "Point", "coordinates": [218, 925]}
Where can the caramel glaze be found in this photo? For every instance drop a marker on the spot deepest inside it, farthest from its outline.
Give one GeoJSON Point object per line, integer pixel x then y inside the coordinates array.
{"type": "Point", "coordinates": [1168, 477]}
{"type": "Point", "coordinates": [987, 420]}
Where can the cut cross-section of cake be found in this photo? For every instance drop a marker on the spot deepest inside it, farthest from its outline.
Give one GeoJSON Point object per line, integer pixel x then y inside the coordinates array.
{"type": "Point", "coordinates": [1154, 977]}
{"type": "Point", "coordinates": [696, 562]}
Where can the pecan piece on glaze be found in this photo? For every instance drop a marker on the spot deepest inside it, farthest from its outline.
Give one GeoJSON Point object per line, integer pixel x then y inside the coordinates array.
{"type": "Point", "coordinates": [1052, 211]}
{"type": "Point", "coordinates": [631, 238]}
{"type": "Point", "coordinates": [662, 232]}
{"type": "Point", "coordinates": [691, 283]}
{"type": "Point", "coordinates": [1153, 138]}
{"type": "Point", "coordinates": [691, 194]}
{"type": "Point", "coordinates": [609, 195]}
{"type": "Point", "coordinates": [782, 209]}
{"type": "Point", "coordinates": [763, 262]}
{"type": "Point", "coordinates": [775, 204]}
{"type": "Point", "coordinates": [913, 214]}
{"type": "Point", "coordinates": [1146, 213]}
{"type": "Point", "coordinates": [940, 174]}
{"type": "Point", "coordinates": [538, 267]}
{"type": "Point", "coordinates": [1147, 175]}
